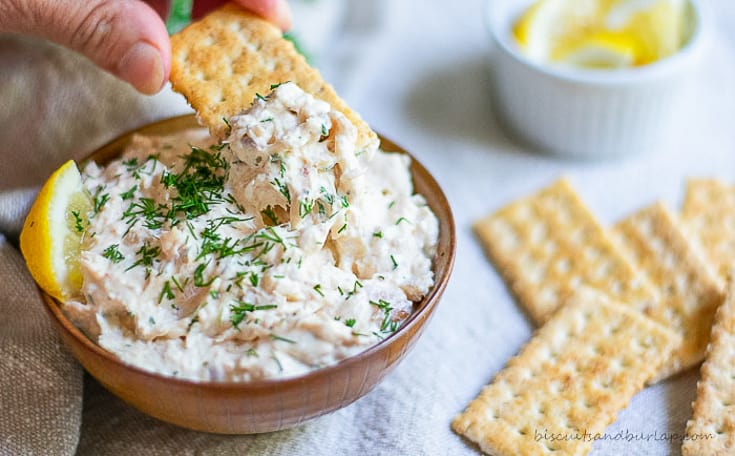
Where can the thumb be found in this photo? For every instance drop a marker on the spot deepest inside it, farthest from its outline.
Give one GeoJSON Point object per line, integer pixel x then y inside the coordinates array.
{"type": "Point", "coordinates": [125, 37]}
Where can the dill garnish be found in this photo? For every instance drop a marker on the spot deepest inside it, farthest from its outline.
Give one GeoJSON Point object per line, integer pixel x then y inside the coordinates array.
{"type": "Point", "coordinates": [113, 254]}
{"type": "Point", "coordinates": [77, 221]}
{"type": "Point", "coordinates": [281, 338]}
{"type": "Point", "coordinates": [239, 310]}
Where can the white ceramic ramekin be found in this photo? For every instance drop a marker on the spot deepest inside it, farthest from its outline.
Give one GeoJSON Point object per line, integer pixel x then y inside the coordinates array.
{"type": "Point", "coordinates": [588, 113]}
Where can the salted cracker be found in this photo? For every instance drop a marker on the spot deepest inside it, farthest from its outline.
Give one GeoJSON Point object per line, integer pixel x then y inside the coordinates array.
{"type": "Point", "coordinates": [711, 430]}
{"type": "Point", "coordinates": [709, 214]}
{"type": "Point", "coordinates": [569, 382]}
{"type": "Point", "coordinates": [222, 62]}
{"type": "Point", "coordinates": [548, 244]}
{"type": "Point", "coordinates": [690, 290]}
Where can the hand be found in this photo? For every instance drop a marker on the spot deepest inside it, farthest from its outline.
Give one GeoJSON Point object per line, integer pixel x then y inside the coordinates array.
{"type": "Point", "coordinates": [125, 37]}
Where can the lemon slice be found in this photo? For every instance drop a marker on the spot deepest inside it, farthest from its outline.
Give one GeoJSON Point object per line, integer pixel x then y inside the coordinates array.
{"type": "Point", "coordinates": [53, 230]}
{"type": "Point", "coordinates": [550, 24]}
{"type": "Point", "coordinates": [658, 25]}
{"type": "Point", "coordinates": [602, 33]}
{"type": "Point", "coordinates": [604, 50]}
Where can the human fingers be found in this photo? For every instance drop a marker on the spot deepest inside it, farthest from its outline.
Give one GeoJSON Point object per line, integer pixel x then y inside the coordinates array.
{"type": "Point", "coordinates": [276, 11]}
{"type": "Point", "coordinates": [162, 7]}
{"type": "Point", "coordinates": [127, 38]}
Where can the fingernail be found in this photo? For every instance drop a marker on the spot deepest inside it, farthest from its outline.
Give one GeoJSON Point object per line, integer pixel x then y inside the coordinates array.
{"type": "Point", "coordinates": [283, 15]}
{"type": "Point", "coordinates": [142, 67]}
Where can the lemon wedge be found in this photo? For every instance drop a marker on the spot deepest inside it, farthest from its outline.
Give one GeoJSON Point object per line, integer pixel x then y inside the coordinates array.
{"type": "Point", "coordinates": [602, 33]}
{"type": "Point", "coordinates": [604, 50]}
{"type": "Point", "coordinates": [52, 234]}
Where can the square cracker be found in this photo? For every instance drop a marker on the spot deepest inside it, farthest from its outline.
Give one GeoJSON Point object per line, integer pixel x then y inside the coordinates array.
{"type": "Point", "coordinates": [569, 382]}
{"type": "Point", "coordinates": [711, 430]}
{"type": "Point", "coordinates": [221, 62]}
{"type": "Point", "coordinates": [690, 290]}
{"type": "Point", "coordinates": [709, 214]}
{"type": "Point", "coordinates": [549, 243]}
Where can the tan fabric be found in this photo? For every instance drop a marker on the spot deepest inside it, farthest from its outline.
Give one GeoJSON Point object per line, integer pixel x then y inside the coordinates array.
{"type": "Point", "coordinates": [41, 384]}
{"type": "Point", "coordinates": [40, 83]}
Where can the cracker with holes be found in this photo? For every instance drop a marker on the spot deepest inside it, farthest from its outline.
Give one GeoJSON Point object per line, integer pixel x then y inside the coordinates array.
{"type": "Point", "coordinates": [713, 419]}
{"type": "Point", "coordinates": [581, 368]}
{"type": "Point", "coordinates": [709, 214]}
{"type": "Point", "coordinates": [690, 290]}
{"type": "Point", "coordinates": [549, 243]}
{"type": "Point", "coordinates": [222, 62]}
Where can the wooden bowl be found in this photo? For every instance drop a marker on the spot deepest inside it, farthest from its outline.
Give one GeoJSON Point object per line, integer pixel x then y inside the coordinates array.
{"type": "Point", "coordinates": [265, 405]}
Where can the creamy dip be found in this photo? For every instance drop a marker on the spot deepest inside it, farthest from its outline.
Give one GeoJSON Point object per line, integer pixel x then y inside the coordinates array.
{"type": "Point", "coordinates": [281, 250]}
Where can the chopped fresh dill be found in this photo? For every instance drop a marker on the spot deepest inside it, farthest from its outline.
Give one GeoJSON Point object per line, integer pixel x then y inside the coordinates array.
{"type": "Point", "coordinates": [403, 219]}
{"type": "Point", "coordinates": [177, 284]}
{"type": "Point", "coordinates": [328, 197]}
{"type": "Point", "coordinates": [378, 234]}
{"type": "Point", "coordinates": [280, 366]}
{"type": "Point", "coordinates": [281, 338]}
{"type": "Point", "coordinates": [282, 188]}
{"type": "Point", "coordinates": [199, 277]}
{"type": "Point", "coordinates": [305, 207]}
{"type": "Point", "coordinates": [318, 289]}
{"type": "Point", "coordinates": [387, 324]}
{"type": "Point", "coordinates": [99, 199]}
{"type": "Point", "coordinates": [146, 256]}
{"type": "Point", "coordinates": [353, 291]}
{"type": "Point", "coordinates": [113, 254]}
{"type": "Point", "coordinates": [269, 234]}
{"type": "Point", "coordinates": [350, 322]}
{"type": "Point", "coordinates": [77, 221]}
{"type": "Point", "coordinates": [239, 310]}
{"type": "Point", "coordinates": [129, 194]}
{"type": "Point", "coordinates": [393, 260]}
{"type": "Point", "coordinates": [270, 214]}
{"type": "Point", "coordinates": [167, 292]}
{"type": "Point", "coordinates": [192, 322]}
{"type": "Point", "coordinates": [146, 208]}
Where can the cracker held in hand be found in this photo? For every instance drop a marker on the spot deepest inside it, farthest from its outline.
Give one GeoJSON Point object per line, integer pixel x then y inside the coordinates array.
{"type": "Point", "coordinates": [222, 62]}
{"type": "Point", "coordinates": [548, 244]}
{"type": "Point", "coordinates": [690, 290]}
{"type": "Point", "coordinates": [709, 213]}
{"type": "Point", "coordinates": [711, 430]}
{"type": "Point", "coordinates": [568, 384]}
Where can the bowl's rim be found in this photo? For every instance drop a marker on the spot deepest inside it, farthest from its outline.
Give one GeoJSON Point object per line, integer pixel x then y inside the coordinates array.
{"type": "Point", "coordinates": [674, 63]}
{"type": "Point", "coordinates": [428, 303]}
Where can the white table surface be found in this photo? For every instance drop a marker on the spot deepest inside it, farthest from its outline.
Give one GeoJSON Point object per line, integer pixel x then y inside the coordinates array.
{"type": "Point", "coordinates": [428, 90]}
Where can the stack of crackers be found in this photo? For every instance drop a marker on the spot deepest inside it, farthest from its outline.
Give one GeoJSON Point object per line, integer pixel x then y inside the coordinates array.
{"type": "Point", "coordinates": [618, 309]}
